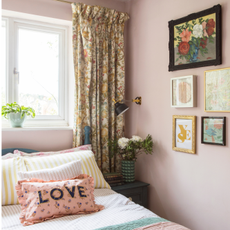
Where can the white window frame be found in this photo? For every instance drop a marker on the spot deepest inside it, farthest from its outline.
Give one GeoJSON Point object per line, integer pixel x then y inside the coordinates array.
{"type": "Point", "coordinates": [16, 20]}
{"type": "Point", "coordinates": [7, 57]}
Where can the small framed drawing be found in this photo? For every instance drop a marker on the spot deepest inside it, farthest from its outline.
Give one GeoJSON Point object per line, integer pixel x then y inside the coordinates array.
{"type": "Point", "coordinates": [216, 90]}
{"type": "Point", "coordinates": [195, 40]}
{"type": "Point", "coordinates": [184, 134]}
{"type": "Point", "coordinates": [213, 130]}
{"type": "Point", "coordinates": [183, 91]}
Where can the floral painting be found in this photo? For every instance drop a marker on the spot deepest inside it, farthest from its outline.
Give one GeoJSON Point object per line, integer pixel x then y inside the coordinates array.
{"type": "Point", "coordinates": [213, 130]}
{"type": "Point", "coordinates": [195, 40]}
{"type": "Point", "coordinates": [217, 93]}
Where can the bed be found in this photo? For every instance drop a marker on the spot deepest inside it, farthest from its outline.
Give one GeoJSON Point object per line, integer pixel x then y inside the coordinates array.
{"type": "Point", "coordinates": [118, 213]}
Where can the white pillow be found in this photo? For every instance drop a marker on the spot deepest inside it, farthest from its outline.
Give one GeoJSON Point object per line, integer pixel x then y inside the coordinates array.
{"type": "Point", "coordinates": [43, 154]}
{"type": "Point", "coordinates": [62, 172]}
{"type": "Point", "coordinates": [9, 156]}
{"type": "Point", "coordinates": [89, 165]}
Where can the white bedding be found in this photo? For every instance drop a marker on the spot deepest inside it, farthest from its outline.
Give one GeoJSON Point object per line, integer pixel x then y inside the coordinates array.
{"type": "Point", "coordinates": [118, 209]}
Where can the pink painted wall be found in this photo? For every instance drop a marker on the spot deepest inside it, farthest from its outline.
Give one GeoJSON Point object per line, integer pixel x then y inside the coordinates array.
{"type": "Point", "coordinates": [47, 139]}
{"type": "Point", "coordinates": [41, 140]}
{"type": "Point", "coordinates": [54, 9]}
{"type": "Point", "coordinates": [192, 190]}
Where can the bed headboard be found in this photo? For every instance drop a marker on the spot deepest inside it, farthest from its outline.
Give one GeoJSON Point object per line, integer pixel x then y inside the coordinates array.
{"type": "Point", "coordinates": [11, 150]}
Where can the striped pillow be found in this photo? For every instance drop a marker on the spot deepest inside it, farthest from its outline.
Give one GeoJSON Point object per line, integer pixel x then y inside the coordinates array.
{"type": "Point", "coordinates": [62, 172]}
{"type": "Point", "coordinates": [89, 165]}
{"type": "Point", "coordinates": [10, 167]}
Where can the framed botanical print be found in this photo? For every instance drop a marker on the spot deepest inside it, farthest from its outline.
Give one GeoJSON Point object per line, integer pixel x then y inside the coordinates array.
{"type": "Point", "coordinates": [217, 90]}
{"type": "Point", "coordinates": [183, 91]}
{"type": "Point", "coordinates": [213, 130]}
{"type": "Point", "coordinates": [195, 40]}
{"type": "Point", "coordinates": [184, 134]}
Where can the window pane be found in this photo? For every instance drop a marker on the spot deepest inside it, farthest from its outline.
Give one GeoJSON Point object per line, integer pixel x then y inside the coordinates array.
{"type": "Point", "coordinates": [3, 63]}
{"type": "Point", "coordinates": [39, 71]}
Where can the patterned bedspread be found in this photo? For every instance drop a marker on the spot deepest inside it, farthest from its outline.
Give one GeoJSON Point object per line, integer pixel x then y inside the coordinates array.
{"type": "Point", "coordinates": [151, 223]}
{"type": "Point", "coordinates": [163, 226]}
{"type": "Point", "coordinates": [119, 210]}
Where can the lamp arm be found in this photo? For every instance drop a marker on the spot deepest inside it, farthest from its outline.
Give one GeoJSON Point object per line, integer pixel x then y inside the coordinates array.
{"type": "Point", "coordinates": [127, 100]}
{"type": "Point", "coordinates": [115, 101]}
{"type": "Point", "coordinates": [137, 100]}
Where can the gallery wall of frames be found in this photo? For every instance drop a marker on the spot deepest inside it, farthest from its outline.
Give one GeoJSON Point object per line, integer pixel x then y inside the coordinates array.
{"type": "Point", "coordinates": [195, 41]}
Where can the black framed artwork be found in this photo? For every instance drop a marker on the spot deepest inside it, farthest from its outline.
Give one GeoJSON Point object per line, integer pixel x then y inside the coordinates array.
{"type": "Point", "coordinates": [195, 40]}
{"type": "Point", "coordinates": [213, 130]}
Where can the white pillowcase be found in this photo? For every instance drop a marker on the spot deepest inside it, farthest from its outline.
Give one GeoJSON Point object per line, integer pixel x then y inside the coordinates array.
{"type": "Point", "coordinates": [89, 165]}
{"type": "Point", "coordinates": [43, 154]}
{"type": "Point", "coordinates": [9, 156]}
{"type": "Point", "coordinates": [62, 172]}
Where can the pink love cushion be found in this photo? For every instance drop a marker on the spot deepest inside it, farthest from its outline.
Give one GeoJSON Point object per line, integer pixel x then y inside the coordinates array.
{"type": "Point", "coordinates": [43, 200]}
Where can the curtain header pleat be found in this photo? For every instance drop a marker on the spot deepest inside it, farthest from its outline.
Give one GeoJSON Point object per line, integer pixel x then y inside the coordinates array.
{"type": "Point", "coordinates": [98, 14]}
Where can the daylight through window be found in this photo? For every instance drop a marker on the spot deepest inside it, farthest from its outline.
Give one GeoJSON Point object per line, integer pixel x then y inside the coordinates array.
{"type": "Point", "coordinates": [34, 59]}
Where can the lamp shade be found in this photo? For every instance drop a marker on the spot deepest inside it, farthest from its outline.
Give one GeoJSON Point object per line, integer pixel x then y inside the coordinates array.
{"type": "Point", "coordinates": [120, 108]}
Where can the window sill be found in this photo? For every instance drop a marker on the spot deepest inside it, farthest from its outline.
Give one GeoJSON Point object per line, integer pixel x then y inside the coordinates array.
{"type": "Point", "coordinates": [31, 125]}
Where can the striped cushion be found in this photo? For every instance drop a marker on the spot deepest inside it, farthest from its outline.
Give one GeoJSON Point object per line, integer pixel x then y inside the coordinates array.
{"type": "Point", "coordinates": [10, 167]}
{"type": "Point", "coordinates": [89, 165]}
{"type": "Point", "coordinates": [62, 172]}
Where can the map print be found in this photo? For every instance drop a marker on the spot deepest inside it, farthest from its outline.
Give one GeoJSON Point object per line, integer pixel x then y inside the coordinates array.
{"type": "Point", "coordinates": [217, 93]}
{"type": "Point", "coordinates": [213, 131]}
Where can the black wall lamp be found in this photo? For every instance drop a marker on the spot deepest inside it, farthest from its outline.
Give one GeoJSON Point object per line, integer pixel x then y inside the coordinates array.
{"type": "Point", "coordinates": [120, 107]}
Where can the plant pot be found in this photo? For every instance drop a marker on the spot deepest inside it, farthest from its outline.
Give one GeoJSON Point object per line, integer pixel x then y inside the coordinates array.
{"type": "Point", "coordinates": [128, 170]}
{"type": "Point", "coordinates": [16, 120]}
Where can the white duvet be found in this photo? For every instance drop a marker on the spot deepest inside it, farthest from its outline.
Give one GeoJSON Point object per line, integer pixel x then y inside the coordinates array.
{"type": "Point", "coordinates": [118, 209]}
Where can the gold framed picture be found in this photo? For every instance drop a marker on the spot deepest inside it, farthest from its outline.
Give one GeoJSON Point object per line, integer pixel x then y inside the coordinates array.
{"type": "Point", "coordinates": [183, 91]}
{"type": "Point", "coordinates": [216, 90]}
{"type": "Point", "coordinates": [184, 134]}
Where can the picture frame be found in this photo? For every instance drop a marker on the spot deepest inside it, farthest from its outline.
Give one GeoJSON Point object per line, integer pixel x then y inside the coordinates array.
{"type": "Point", "coordinates": [195, 40]}
{"type": "Point", "coordinates": [216, 90]}
{"type": "Point", "coordinates": [183, 91]}
{"type": "Point", "coordinates": [213, 130]}
{"type": "Point", "coordinates": [184, 134]}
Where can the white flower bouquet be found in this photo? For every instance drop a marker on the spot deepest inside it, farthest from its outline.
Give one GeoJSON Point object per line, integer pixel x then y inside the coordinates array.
{"type": "Point", "coordinates": [129, 149]}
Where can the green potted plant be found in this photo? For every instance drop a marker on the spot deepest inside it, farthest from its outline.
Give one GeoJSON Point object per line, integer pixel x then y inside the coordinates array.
{"type": "Point", "coordinates": [128, 150]}
{"type": "Point", "coordinates": [16, 113]}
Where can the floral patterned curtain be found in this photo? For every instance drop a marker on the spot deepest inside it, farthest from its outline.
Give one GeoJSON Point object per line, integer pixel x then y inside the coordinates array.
{"type": "Point", "coordinates": [98, 44]}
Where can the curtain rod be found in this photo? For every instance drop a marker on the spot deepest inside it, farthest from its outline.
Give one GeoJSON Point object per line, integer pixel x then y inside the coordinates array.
{"type": "Point", "coordinates": [64, 1]}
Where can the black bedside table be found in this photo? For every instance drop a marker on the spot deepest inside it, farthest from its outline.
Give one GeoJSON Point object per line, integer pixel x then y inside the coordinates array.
{"type": "Point", "coordinates": [136, 191]}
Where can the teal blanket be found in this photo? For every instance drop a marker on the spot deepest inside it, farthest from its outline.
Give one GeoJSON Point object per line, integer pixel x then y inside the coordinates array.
{"type": "Point", "coordinates": [134, 224]}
